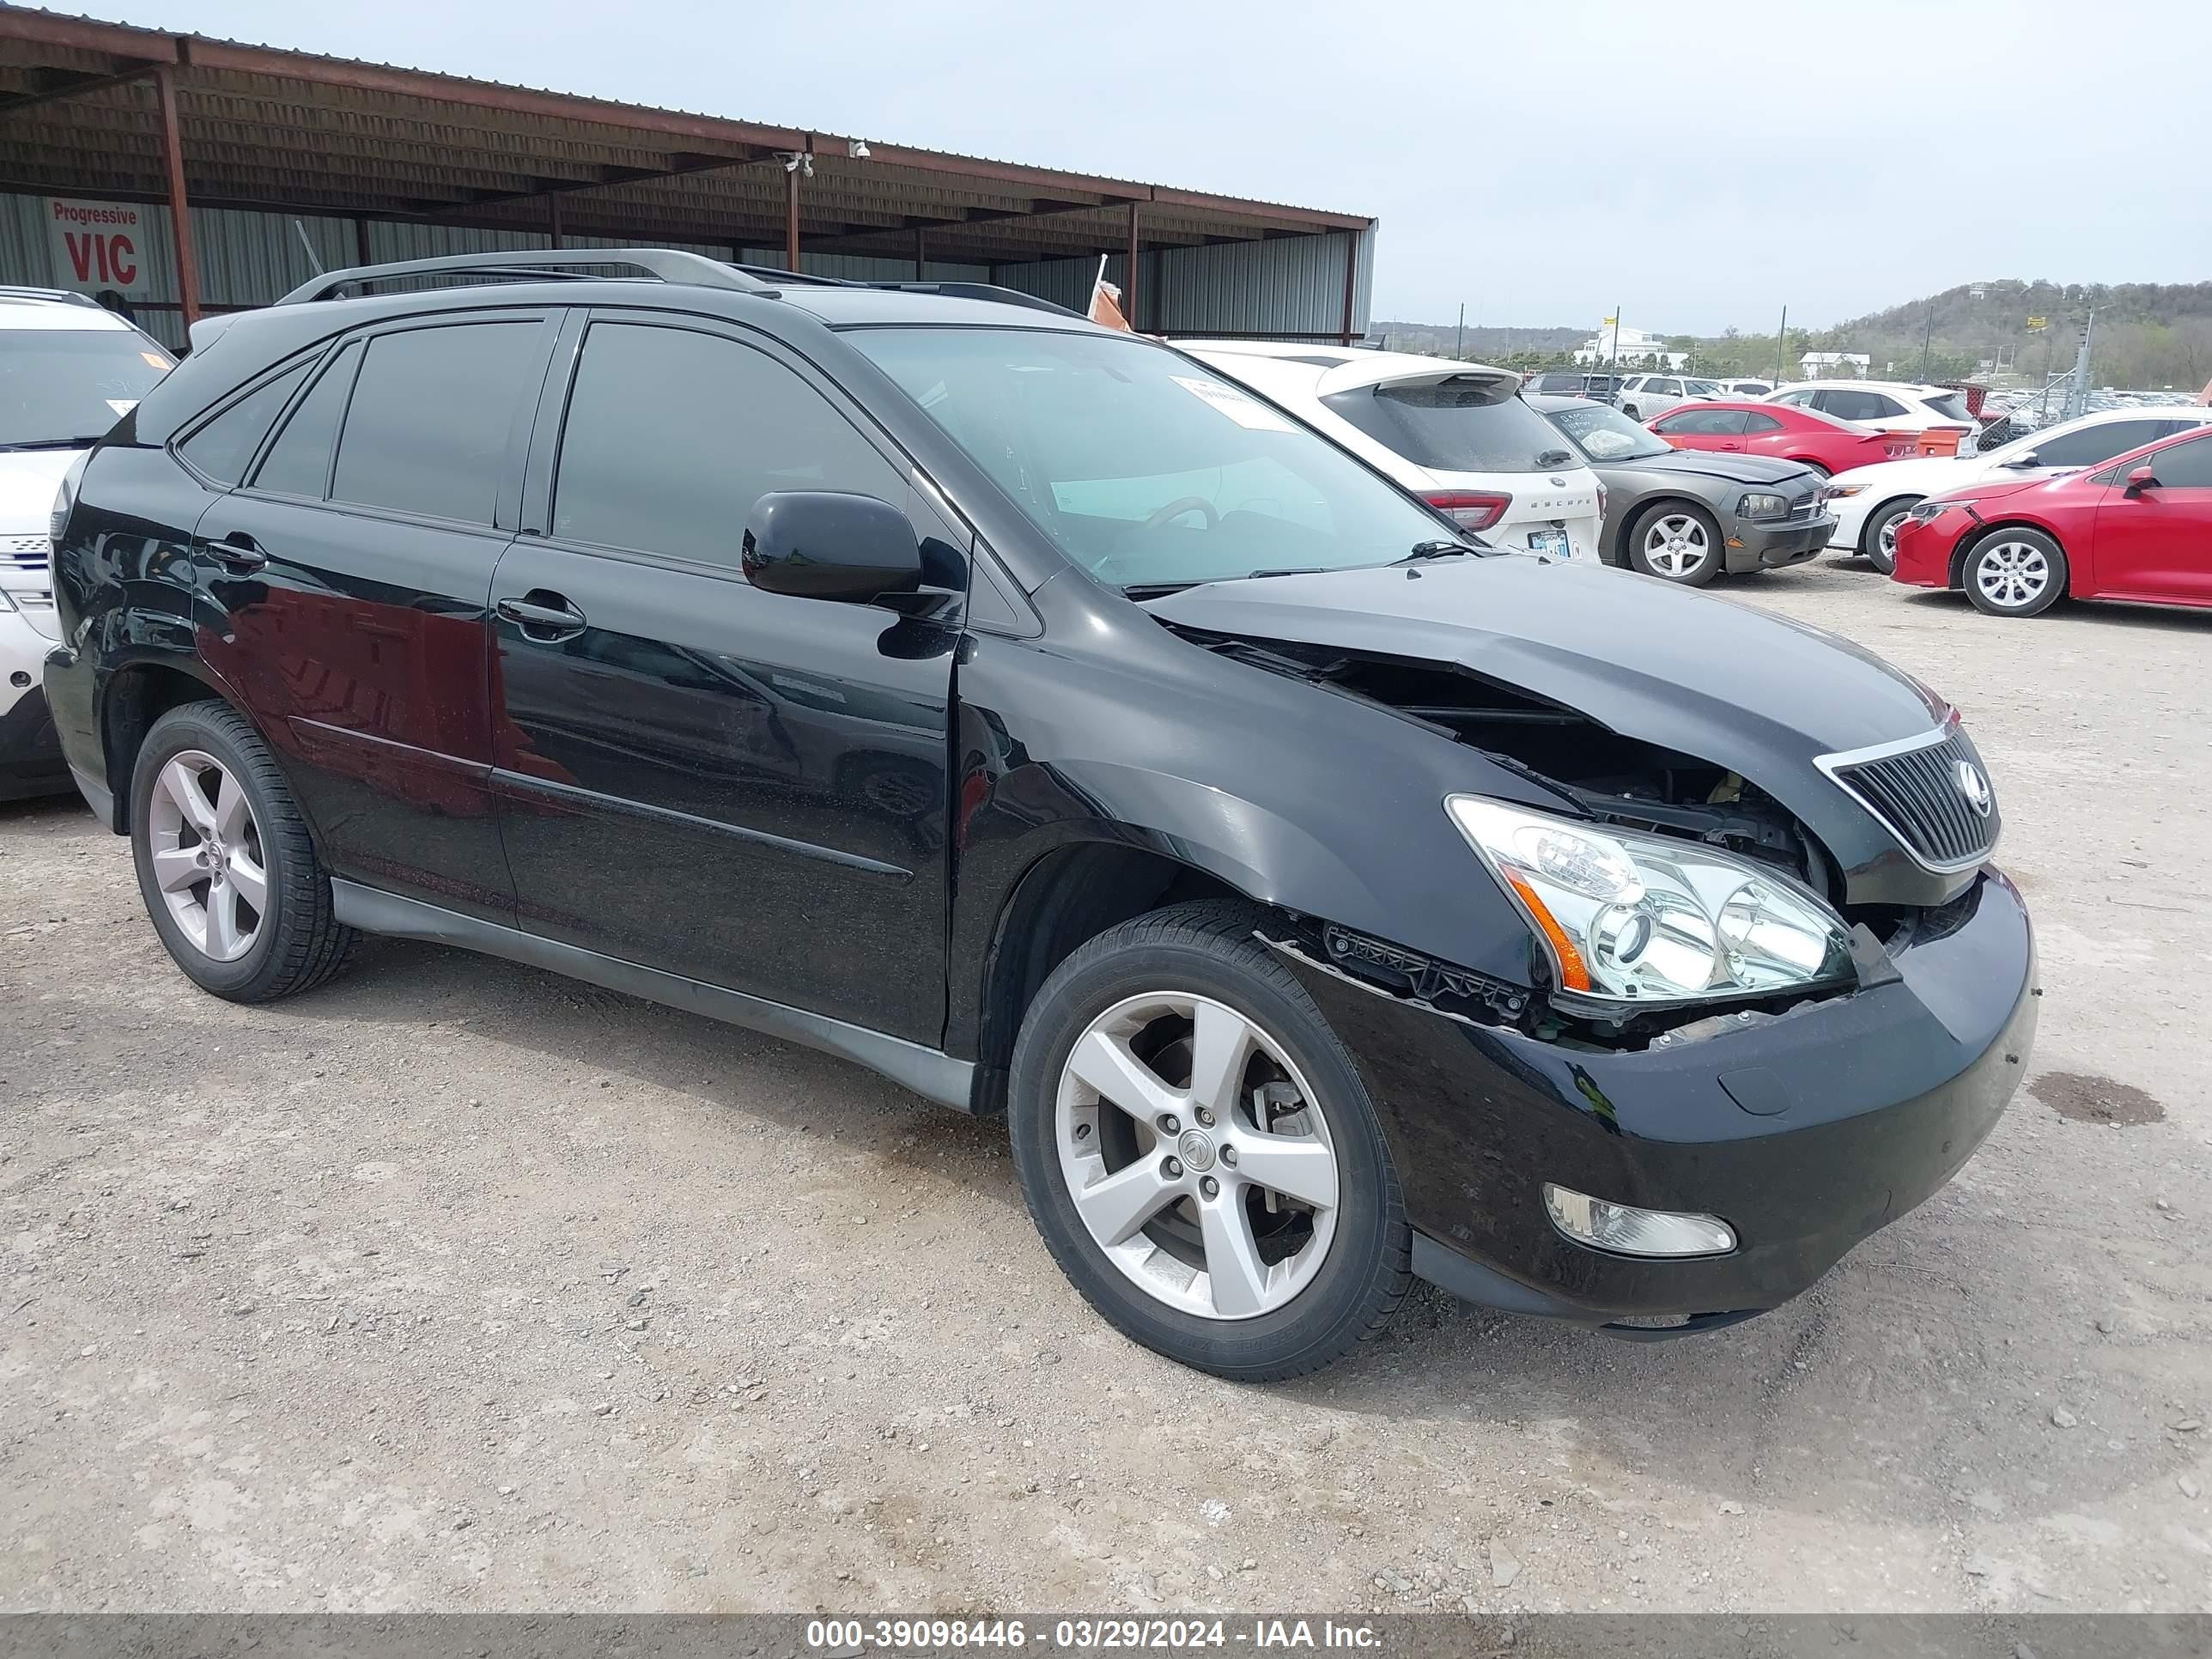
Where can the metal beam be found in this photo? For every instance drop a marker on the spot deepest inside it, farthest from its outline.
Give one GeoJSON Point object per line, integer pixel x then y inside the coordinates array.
{"type": "Point", "coordinates": [920, 253]}
{"type": "Point", "coordinates": [1129, 271]}
{"type": "Point", "coordinates": [180, 211]}
{"type": "Point", "coordinates": [77, 87]}
{"type": "Point", "coordinates": [1350, 279]}
{"type": "Point", "coordinates": [790, 218]}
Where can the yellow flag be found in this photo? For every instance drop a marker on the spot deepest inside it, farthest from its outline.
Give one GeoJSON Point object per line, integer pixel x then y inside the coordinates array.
{"type": "Point", "coordinates": [2038, 322]}
{"type": "Point", "coordinates": [1611, 322]}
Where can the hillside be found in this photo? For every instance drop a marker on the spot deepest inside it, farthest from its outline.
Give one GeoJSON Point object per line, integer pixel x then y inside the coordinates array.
{"type": "Point", "coordinates": [2148, 336]}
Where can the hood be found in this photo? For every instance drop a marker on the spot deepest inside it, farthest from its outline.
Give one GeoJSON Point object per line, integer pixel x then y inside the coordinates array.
{"type": "Point", "coordinates": [2003, 485]}
{"type": "Point", "coordinates": [1732, 686]}
{"type": "Point", "coordinates": [28, 479]}
{"type": "Point", "coordinates": [1706, 464]}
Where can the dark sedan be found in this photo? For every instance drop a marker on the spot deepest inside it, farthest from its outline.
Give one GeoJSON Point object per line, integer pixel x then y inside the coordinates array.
{"type": "Point", "coordinates": [1684, 516]}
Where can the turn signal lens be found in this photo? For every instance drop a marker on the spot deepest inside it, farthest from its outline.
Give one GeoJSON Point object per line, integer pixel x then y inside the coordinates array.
{"type": "Point", "coordinates": [1626, 1230]}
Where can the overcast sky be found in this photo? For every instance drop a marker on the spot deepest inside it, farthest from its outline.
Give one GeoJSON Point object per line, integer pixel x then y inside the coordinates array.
{"type": "Point", "coordinates": [1699, 162]}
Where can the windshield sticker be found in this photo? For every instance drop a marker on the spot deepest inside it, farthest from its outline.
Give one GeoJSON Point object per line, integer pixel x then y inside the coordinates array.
{"type": "Point", "coordinates": [1234, 404]}
{"type": "Point", "coordinates": [121, 405]}
{"type": "Point", "coordinates": [155, 360]}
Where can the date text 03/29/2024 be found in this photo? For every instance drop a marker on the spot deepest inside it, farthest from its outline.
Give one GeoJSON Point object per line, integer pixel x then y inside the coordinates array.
{"type": "Point", "coordinates": [841, 1638]}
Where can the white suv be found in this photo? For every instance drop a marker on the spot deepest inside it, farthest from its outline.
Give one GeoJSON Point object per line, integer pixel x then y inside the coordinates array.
{"type": "Point", "coordinates": [1887, 406]}
{"type": "Point", "coordinates": [69, 370]}
{"type": "Point", "coordinates": [1644, 397]}
{"type": "Point", "coordinates": [1457, 434]}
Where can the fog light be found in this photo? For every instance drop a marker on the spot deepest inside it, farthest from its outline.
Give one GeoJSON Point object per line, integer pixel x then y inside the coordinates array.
{"type": "Point", "coordinates": [1627, 1230]}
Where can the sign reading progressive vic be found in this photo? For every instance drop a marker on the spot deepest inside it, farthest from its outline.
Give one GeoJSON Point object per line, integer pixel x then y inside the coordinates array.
{"type": "Point", "coordinates": [99, 245]}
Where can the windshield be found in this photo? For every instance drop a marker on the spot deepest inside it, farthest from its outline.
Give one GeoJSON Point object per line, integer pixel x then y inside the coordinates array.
{"type": "Point", "coordinates": [1606, 434]}
{"type": "Point", "coordinates": [1704, 388]}
{"type": "Point", "coordinates": [1468, 424]}
{"type": "Point", "coordinates": [1143, 467]}
{"type": "Point", "coordinates": [63, 384]}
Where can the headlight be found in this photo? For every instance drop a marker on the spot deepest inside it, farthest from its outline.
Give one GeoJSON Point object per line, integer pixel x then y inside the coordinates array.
{"type": "Point", "coordinates": [1636, 918]}
{"type": "Point", "coordinates": [65, 501]}
{"type": "Point", "coordinates": [1836, 492]}
{"type": "Point", "coordinates": [1927, 512]}
{"type": "Point", "coordinates": [1759, 506]}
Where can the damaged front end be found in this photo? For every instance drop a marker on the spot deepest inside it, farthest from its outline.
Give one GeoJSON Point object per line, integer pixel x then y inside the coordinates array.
{"type": "Point", "coordinates": [1693, 836]}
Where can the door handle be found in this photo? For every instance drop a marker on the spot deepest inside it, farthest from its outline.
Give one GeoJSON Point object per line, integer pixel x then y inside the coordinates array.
{"type": "Point", "coordinates": [236, 551]}
{"type": "Point", "coordinates": [543, 616]}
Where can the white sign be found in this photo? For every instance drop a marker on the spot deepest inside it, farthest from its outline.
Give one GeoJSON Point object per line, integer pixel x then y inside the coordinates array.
{"type": "Point", "coordinates": [96, 246]}
{"type": "Point", "coordinates": [1234, 404]}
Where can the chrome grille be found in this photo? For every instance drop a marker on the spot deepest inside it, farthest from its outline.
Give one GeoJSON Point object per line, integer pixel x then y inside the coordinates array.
{"type": "Point", "coordinates": [1920, 792]}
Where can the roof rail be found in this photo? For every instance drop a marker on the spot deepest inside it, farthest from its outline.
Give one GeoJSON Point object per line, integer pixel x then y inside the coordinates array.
{"type": "Point", "coordinates": [68, 296]}
{"type": "Point", "coordinates": [992, 291]}
{"type": "Point", "coordinates": [548, 265]}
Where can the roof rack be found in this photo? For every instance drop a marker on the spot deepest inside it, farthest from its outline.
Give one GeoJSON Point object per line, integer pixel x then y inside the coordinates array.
{"type": "Point", "coordinates": [68, 296]}
{"type": "Point", "coordinates": [992, 291]}
{"type": "Point", "coordinates": [549, 264]}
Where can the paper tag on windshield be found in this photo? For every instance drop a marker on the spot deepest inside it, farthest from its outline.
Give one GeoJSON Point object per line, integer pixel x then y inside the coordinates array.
{"type": "Point", "coordinates": [121, 405]}
{"type": "Point", "coordinates": [1234, 404]}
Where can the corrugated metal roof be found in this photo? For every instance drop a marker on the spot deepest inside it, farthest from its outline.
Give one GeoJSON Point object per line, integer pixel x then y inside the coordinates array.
{"type": "Point", "coordinates": [266, 128]}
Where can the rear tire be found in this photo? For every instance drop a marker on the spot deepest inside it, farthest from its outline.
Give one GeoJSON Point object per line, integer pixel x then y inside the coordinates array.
{"type": "Point", "coordinates": [1220, 1280]}
{"type": "Point", "coordinates": [1817, 470]}
{"type": "Point", "coordinates": [1878, 535]}
{"type": "Point", "coordinates": [226, 865]}
{"type": "Point", "coordinates": [1678, 542]}
{"type": "Point", "coordinates": [2015, 572]}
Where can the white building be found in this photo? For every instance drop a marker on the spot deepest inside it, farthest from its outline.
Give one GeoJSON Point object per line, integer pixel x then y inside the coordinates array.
{"type": "Point", "coordinates": [1835, 365]}
{"type": "Point", "coordinates": [1637, 349]}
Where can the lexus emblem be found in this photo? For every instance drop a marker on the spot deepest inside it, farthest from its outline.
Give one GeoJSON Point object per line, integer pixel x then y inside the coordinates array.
{"type": "Point", "coordinates": [1197, 1148]}
{"type": "Point", "coordinates": [1558, 484]}
{"type": "Point", "coordinates": [1974, 787]}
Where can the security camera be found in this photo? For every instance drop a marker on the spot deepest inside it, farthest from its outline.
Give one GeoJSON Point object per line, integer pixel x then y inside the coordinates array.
{"type": "Point", "coordinates": [858, 149]}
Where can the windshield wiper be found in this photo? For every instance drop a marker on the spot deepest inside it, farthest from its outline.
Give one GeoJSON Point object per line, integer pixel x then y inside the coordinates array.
{"type": "Point", "coordinates": [1421, 552]}
{"type": "Point", "coordinates": [49, 443]}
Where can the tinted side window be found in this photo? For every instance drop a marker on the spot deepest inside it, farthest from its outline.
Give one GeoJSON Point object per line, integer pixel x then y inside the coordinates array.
{"type": "Point", "coordinates": [2185, 465]}
{"type": "Point", "coordinates": [1705, 422]}
{"type": "Point", "coordinates": [427, 431]}
{"type": "Point", "coordinates": [1760, 424]}
{"type": "Point", "coordinates": [224, 447]}
{"type": "Point", "coordinates": [299, 462]}
{"type": "Point", "coordinates": [2093, 444]}
{"type": "Point", "coordinates": [1880, 408]}
{"type": "Point", "coordinates": [672, 436]}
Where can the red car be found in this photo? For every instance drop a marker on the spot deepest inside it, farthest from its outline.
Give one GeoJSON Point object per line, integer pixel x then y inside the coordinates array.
{"type": "Point", "coordinates": [2136, 528]}
{"type": "Point", "coordinates": [1783, 431]}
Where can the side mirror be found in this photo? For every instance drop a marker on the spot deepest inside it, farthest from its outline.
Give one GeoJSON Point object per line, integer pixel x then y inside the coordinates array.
{"type": "Point", "coordinates": [2141, 478]}
{"type": "Point", "coordinates": [819, 544]}
{"type": "Point", "coordinates": [2022, 462]}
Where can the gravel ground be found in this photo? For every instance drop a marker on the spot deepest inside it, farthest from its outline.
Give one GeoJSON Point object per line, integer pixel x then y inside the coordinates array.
{"type": "Point", "coordinates": [456, 1285]}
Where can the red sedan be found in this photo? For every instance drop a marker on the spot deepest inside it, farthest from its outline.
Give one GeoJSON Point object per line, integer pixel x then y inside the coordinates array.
{"type": "Point", "coordinates": [1783, 431]}
{"type": "Point", "coordinates": [2136, 528]}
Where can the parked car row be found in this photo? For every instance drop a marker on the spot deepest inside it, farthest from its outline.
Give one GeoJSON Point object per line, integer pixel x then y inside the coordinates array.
{"type": "Point", "coordinates": [1133, 741]}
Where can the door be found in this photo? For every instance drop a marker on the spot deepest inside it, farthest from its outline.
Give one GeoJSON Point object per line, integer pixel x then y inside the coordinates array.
{"type": "Point", "coordinates": [348, 585]}
{"type": "Point", "coordinates": [742, 787]}
{"type": "Point", "coordinates": [2156, 543]}
{"type": "Point", "coordinates": [1703, 429]}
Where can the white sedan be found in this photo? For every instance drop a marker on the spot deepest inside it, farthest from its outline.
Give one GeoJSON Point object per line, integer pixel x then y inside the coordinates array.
{"type": "Point", "coordinates": [1869, 502]}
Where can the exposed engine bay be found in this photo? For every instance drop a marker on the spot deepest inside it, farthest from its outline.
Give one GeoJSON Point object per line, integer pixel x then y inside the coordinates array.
{"type": "Point", "coordinates": [1594, 771]}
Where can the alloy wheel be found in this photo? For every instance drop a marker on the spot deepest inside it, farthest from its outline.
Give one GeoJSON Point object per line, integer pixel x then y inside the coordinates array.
{"type": "Point", "coordinates": [1676, 546]}
{"type": "Point", "coordinates": [1198, 1159]}
{"type": "Point", "coordinates": [2012, 575]}
{"type": "Point", "coordinates": [1886, 539]}
{"type": "Point", "coordinates": [207, 855]}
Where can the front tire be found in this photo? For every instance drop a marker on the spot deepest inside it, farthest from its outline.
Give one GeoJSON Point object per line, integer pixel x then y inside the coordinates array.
{"type": "Point", "coordinates": [1677, 542]}
{"type": "Point", "coordinates": [2015, 572]}
{"type": "Point", "coordinates": [1200, 1153]}
{"type": "Point", "coordinates": [226, 865]}
{"type": "Point", "coordinates": [1878, 535]}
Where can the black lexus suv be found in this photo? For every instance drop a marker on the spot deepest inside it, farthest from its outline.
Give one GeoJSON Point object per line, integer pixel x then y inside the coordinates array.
{"type": "Point", "coordinates": [1022, 710]}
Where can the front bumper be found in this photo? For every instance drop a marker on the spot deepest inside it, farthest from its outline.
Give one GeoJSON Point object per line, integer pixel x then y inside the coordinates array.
{"type": "Point", "coordinates": [1849, 513]}
{"type": "Point", "coordinates": [1924, 548]}
{"type": "Point", "coordinates": [1770, 546]}
{"type": "Point", "coordinates": [1805, 1132]}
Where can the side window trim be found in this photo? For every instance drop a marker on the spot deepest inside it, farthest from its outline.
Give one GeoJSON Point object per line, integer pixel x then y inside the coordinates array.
{"type": "Point", "coordinates": [208, 417]}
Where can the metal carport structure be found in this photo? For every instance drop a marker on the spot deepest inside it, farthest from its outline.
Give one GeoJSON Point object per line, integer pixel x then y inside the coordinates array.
{"type": "Point", "coordinates": [228, 143]}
